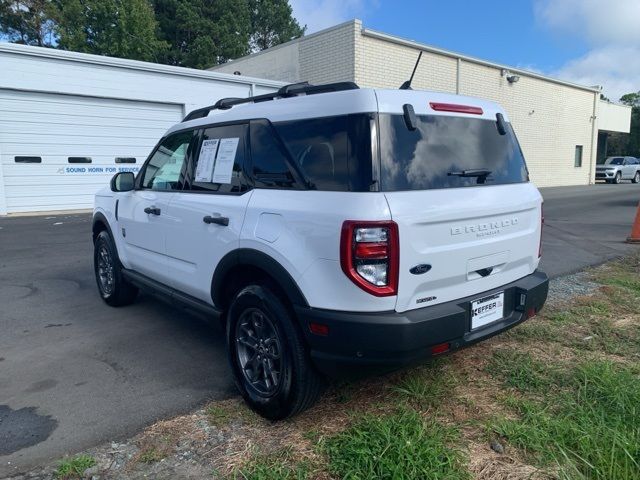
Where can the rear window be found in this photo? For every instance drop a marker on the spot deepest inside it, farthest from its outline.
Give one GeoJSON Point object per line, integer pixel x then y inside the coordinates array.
{"type": "Point", "coordinates": [442, 149]}
{"type": "Point", "coordinates": [332, 153]}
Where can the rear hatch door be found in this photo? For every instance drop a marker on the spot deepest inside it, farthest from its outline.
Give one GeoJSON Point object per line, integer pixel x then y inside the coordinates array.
{"type": "Point", "coordinates": [457, 186]}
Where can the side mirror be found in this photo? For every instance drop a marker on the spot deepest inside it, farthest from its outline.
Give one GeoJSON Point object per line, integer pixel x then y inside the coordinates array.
{"type": "Point", "coordinates": [123, 182]}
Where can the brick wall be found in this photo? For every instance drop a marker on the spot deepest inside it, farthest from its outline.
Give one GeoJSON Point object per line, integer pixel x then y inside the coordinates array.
{"type": "Point", "coordinates": [550, 119]}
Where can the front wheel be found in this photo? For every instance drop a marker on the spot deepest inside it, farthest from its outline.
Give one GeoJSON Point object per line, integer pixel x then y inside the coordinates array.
{"type": "Point", "coordinates": [636, 178]}
{"type": "Point", "coordinates": [114, 289]}
{"type": "Point", "coordinates": [618, 178]}
{"type": "Point", "coordinates": [269, 360]}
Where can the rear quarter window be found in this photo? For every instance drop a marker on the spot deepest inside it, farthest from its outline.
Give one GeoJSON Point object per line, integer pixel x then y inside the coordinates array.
{"type": "Point", "coordinates": [441, 145]}
{"type": "Point", "coordinates": [331, 153]}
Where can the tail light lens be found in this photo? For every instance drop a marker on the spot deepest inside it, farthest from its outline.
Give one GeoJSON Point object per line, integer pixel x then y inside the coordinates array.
{"type": "Point", "coordinates": [370, 256]}
{"type": "Point", "coordinates": [541, 225]}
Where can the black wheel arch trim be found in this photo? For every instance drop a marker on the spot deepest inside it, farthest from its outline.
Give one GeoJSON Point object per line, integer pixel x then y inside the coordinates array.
{"type": "Point", "coordinates": [99, 217]}
{"type": "Point", "coordinates": [258, 259]}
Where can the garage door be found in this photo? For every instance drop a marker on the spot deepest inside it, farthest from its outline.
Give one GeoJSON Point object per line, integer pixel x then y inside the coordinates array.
{"type": "Point", "coordinates": [56, 150]}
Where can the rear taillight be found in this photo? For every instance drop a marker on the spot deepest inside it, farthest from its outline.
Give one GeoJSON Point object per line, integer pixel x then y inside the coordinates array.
{"type": "Point", "coordinates": [370, 256]}
{"type": "Point", "coordinates": [541, 225]}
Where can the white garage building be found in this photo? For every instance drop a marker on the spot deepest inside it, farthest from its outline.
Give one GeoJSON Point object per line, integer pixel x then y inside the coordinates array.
{"type": "Point", "coordinates": [69, 121]}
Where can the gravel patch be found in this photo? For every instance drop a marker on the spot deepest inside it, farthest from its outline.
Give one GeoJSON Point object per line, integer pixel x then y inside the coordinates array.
{"type": "Point", "coordinates": [563, 289]}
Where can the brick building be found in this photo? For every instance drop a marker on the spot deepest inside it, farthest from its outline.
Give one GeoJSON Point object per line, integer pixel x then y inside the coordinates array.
{"type": "Point", "coordinates": [557, 122]}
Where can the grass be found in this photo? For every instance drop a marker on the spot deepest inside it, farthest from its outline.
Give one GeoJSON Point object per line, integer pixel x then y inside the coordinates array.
{"type": "Point", "coordinates": [425, 387]}
{"type": "Point", "coordinates": [280, 465]}
{"type": "Point", "coordinates": [587, 428]}
{"type": "Point", "coordinates": [561, 393]}
{"type": "Point", "coordinates": [401, 445]}
{"type": "Point", "coordinates": [222, 414]}
{"type": "Point", "coordinates": [151, 455]}
{"type": "Point", "coordinates": [72, 468]}
{"type": "Point", "coordinates": [521, 371]}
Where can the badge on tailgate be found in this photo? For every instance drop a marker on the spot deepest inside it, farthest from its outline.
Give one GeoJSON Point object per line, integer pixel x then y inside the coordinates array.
{"type": "Point", "coordinates": [486, 310]}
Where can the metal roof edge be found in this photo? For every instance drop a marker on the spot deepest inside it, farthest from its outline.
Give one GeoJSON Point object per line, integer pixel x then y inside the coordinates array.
{"type": "Point", "coordinates": [65, 55]}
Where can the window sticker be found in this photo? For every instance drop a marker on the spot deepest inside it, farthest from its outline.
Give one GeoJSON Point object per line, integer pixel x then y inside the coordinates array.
{"type": "Point", "coordinates": [206, 160]}
{"type": "Point", "coordinates": [224, 161]}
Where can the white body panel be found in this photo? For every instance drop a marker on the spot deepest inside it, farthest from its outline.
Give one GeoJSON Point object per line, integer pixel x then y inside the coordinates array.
{"type": "Point", "coordinates": [194, 248]}
{"type": "Point", "coordinates": [459, 231]}
{"type": "Point", "coordinates": [144, 235]}
{"type": "Point", "coordinates": [305, 240]}
{"type": "Point", "coordinates": [474, 238]}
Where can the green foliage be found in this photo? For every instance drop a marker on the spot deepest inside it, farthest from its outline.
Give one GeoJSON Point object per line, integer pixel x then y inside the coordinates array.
{"type": "Point", "coordinates": [397, 446]}
{"type": "Point", "coordinates": [118, 28]}
{"type": "Point", "coordinates": [202, 33]}
{"type": "Point", "coordinates": [189, 33]}
{"type": "Point", "coordinates": [588, 425]}
{"type": "Point", "coordinates": [426, 387]}
{"type": "Point", "coordinates": [272, 23]}
{"type": "Point", "coordinates": [520, 370]}
{"type": "Point", "coordinates": [27, 21]}
{"type": "Point", "coordinates": [74, 467]}
{"type": "Point", "coordinates": [627, 143]}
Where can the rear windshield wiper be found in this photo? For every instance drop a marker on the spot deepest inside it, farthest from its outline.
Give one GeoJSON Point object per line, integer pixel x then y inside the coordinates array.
{"type": "Point", "coordinates": [480, 173]}
{"type": "Point", "coordinates": [474, 172]}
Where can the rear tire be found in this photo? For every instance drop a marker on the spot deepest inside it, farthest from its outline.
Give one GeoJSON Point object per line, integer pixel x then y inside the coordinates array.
{"type": "Point", "coordinates": [618, 178]}
{"type": "Point", "coordinates": [636, 178]}
{"type": "Point", "coordinates": [113, 288]}
{"type": "Point", "coordinates": [268, 357]}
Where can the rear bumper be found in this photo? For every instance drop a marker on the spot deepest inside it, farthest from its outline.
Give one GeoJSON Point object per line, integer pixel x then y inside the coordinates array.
{"type": "Point", "coordinates": [360, 344]}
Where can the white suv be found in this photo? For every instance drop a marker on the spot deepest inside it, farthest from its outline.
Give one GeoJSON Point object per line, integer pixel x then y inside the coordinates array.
{"type": "Point", "coordinates": [334, 230]}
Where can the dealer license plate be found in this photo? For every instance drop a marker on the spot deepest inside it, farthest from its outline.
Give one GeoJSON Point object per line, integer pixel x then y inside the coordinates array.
{"type": "Point", "coordinates": [486, 310]}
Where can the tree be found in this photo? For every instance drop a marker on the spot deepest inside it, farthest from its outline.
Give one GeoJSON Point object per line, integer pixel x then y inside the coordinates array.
{"type": "Point", "coordinates": [631, 99]}
{"type": "Point", "coordinates": [627, 143]}
{"type": "Point", "coordinates": [202, 33]}
{"type": "Point", "coordinates": [272, 23]}
{"type": "Point", "coordinates": [28, 22]}
{"type": "Point", "coordinates": [117, 28]}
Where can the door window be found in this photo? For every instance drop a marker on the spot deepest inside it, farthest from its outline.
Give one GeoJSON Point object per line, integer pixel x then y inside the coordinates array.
{"type": "Point", "coordinates": [218, 165]}
{"type": "Point", "coordinates": [166, 168]}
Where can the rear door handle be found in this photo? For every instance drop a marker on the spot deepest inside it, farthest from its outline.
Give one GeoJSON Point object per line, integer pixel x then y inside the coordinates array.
{"type": "Point", "coordinates": [224, 221]}
{"type": "Point", "coordinates": [152, 211]}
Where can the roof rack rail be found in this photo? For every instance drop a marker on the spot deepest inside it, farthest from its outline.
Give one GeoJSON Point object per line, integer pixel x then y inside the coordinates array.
{"type": "Point", "coordinates": [291, 90]}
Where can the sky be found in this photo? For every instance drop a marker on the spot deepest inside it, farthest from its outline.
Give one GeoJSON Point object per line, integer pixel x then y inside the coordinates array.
{"type": "Point", "coordinates": [590, 42]}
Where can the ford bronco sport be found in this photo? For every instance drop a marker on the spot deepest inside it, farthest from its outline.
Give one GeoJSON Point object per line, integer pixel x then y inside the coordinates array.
{"type": "Point", "coordinates": [335, 231]}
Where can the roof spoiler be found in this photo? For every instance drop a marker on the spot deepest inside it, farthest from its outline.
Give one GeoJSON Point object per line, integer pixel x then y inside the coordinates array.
{"type": "Point", "coordinates": [292, 90]}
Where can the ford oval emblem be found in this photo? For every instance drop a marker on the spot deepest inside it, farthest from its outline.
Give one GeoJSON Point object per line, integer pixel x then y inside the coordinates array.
{"type": "Point", "coordinates": [420, 269]}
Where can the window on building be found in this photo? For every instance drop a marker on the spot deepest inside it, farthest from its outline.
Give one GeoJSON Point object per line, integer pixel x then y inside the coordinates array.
{"type": "Point", "coordinates": [79, 159]}
{"type": "Point", "coordinates": [578, 159]}
{"type": "Point", "coordinates": [27, 159]}
{"type": "Point", "coordinates": [125, 160]}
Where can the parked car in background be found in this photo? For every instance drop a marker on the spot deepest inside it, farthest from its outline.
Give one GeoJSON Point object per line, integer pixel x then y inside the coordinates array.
{"type": "Point", "coordinates": [616, 169]}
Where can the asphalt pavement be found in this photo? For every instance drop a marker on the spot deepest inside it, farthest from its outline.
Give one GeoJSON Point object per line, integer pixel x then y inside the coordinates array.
{"type": "Point", "coordinates": [75, 373]}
